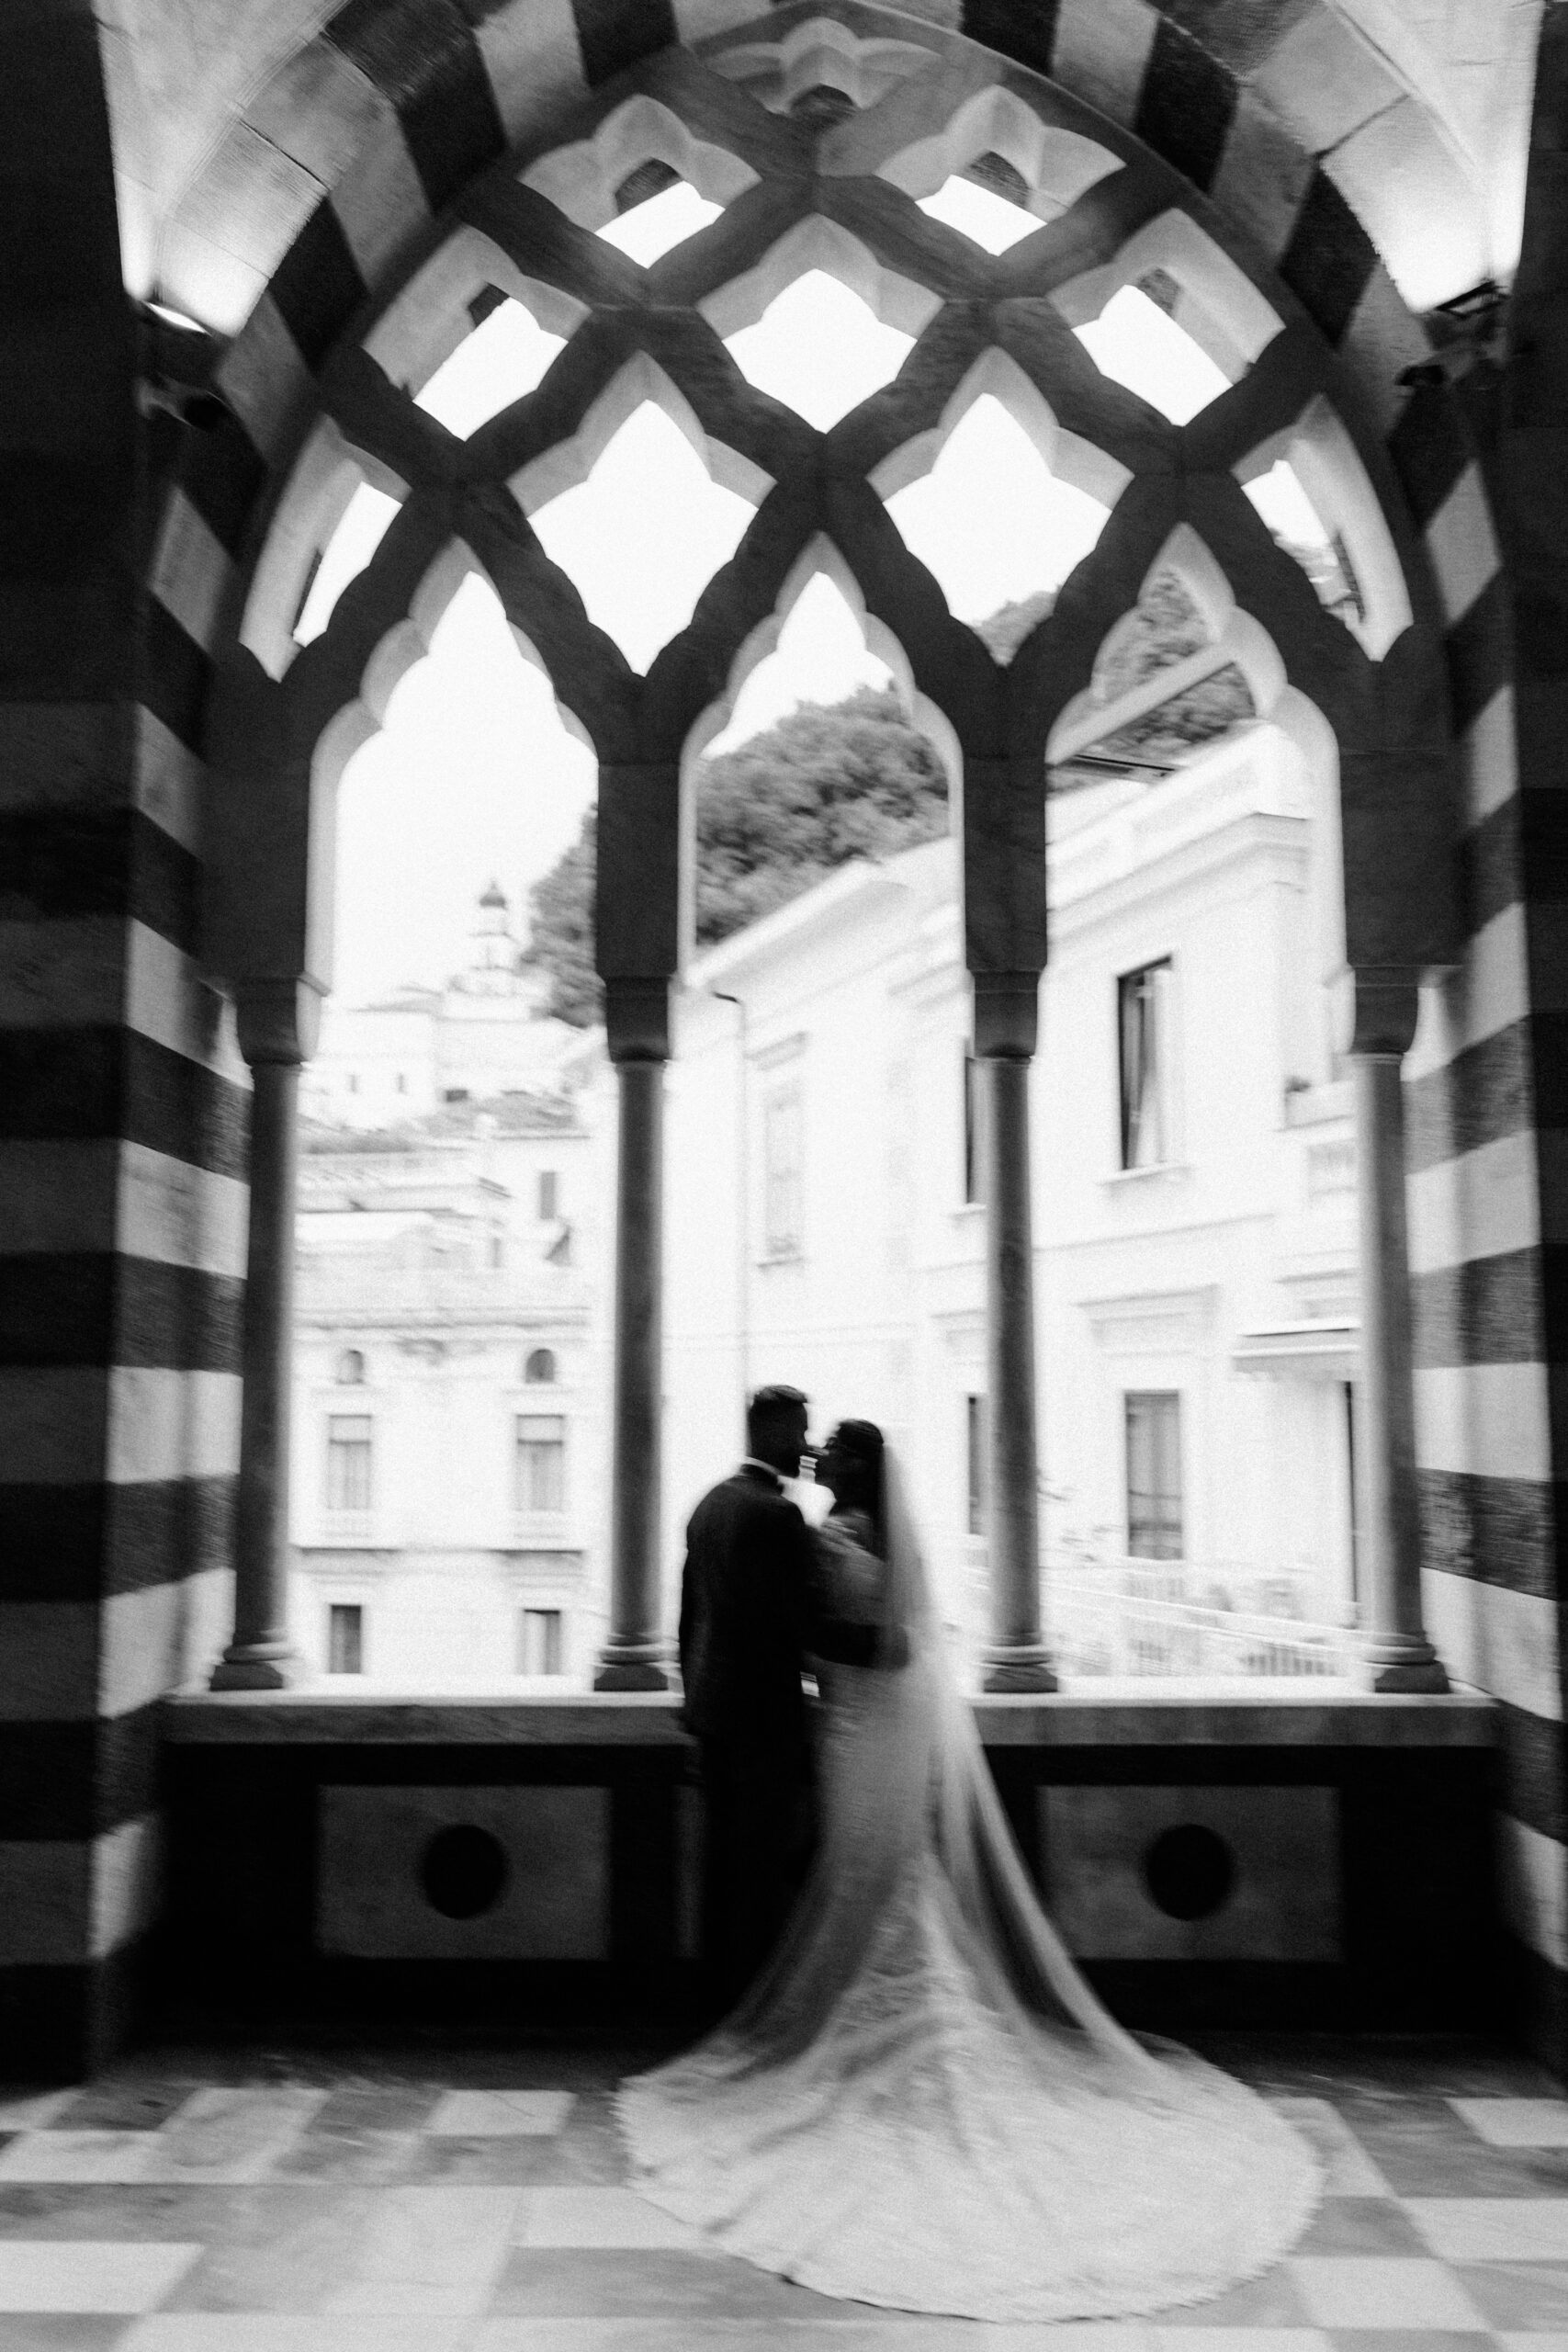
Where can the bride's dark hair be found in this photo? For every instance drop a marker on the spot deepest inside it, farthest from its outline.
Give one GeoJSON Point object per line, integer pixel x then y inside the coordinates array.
{"type": "Point", "coordinates": [861, 1441]}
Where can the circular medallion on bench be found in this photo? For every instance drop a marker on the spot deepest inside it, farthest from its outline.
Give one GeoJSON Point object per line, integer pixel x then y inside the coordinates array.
{"type": "Point", "coordinates": [463, 1871]}
{"type": "Point", "coordinates": [1189, 1870]}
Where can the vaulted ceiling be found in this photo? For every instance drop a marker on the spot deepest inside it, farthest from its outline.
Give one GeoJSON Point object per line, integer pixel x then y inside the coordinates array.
{"type": "Point", "coordinates": [230, 117]}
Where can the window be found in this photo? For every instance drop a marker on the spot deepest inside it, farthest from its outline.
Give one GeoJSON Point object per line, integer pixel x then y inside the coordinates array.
{"type": "Point", "coordinates": [1154, 1475]}
{"type": "Point", "coordinates": [971, 1130]}
{"type": "Point", "coordinates": [350, 1369]}
{"type": "Point", "coordinates": [345, 1638]}
{"type": "Point", "coordinates": [539, 1469]}
{"type": "Point", "coordinates": [348, 1461]}
{"type": "Point", "coordinates": [540, 1368]}
{"type": "Point", "coordinates": [549, 1195]}
{"type": "Point", "coordinates": [1143, 1007]}
{"type": "Point", "coordinates": [539, 1640]}
{"type": "Point", "coordinates": [781, 1176]}
{"type": "Point", "coordinates": [975, 1443]}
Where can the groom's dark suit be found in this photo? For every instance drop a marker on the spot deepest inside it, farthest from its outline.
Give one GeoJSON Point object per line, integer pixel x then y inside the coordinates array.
{"type": "Point", "coordinates": [751, 1607]}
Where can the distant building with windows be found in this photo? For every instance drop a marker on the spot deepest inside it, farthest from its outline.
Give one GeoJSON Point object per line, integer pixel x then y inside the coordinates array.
{"type": "Point", "coordinates": [448, 1434]}
{"type": "Point", "coordinates": [1194, 1179]}
{"type": "Point", "coordinates": [485, 1033]}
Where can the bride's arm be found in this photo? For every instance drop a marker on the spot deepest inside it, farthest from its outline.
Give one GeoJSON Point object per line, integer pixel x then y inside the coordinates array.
{"type": "Point", "coordinates": [832, 1632]}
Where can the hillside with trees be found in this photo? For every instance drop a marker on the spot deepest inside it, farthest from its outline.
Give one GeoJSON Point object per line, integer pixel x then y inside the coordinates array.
{"type": "Point", "coordinates": [828, 782]}
{"type": "Point", "coordinates": [831, 782]}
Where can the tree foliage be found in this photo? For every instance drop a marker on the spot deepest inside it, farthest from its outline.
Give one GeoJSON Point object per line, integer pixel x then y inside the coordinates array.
{"type": "Point", "coordinates": [1004, 630]}
{"type": "Point", "coordinates": [828, 782]}
{"type": "Point", "coordinates": [560, 931]}
{"type": "Point", "coordinates": [836, 781]}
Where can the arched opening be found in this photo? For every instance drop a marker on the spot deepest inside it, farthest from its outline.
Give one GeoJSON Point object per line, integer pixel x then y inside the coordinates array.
{"type": "Point", "coordinates": [443, 1185]}
{"type": "Point", "coordinates": [1200, 1507]}
{"type": "Point", "coordinates": [949, 518]}
{"type": "Point", "coordinates": [643, 532]}
{"type": "Point", "coordinates": [506, 356]}
{"type": "Point", "coordinates": [638, 484]}
{"type": "Point", "coordinates": [822, 801]}
{"type": "Point", "coordinates": [856, 348]}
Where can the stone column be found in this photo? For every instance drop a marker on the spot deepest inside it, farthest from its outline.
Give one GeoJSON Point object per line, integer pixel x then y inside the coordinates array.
{"type": "Point", "coordinates": [1005, 1024]}
{"type": "Point", "coordinates": [637, 1021]}
{"type": "Point", "coordinates": [1396, 1652]}
{"type": "Point", "coordinates": [278, 1025]}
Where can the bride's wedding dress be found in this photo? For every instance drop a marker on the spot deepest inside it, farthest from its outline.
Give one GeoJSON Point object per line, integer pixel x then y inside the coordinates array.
{"type": "Point", "coordinates": [919, 2103]}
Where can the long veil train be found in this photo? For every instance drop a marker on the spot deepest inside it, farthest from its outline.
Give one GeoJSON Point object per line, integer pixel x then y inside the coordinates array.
{"type": "Point", "coordinates": [920, 2103]}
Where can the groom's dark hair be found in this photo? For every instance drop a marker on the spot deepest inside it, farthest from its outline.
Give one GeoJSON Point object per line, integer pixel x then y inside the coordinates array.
{"type": "Point", "coordinates": [770, 1408]}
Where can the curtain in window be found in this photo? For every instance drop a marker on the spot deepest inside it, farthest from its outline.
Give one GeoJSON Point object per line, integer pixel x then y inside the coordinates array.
{"type": "Point", "coordinates": [1154, 1476]}
{"type": "Point", "coordinates": [974, 1450]}
{"type": "Point", "coordinates": [345, 1638]}
{"type": "Point", "coordinates": [348, 1461]}
{"type": "Point", "coordinates": [971, 1130]}
{"type": "Point", "coordinates": [539, 1640]}
{"type": "Point", "coordinates": [1143, 1051]}
{"type": "Point", "coordinates": [540, 1465]}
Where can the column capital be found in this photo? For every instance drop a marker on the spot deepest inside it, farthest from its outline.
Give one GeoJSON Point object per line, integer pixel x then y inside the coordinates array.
{"type": "Point", "coordinates": [636, 1020]}
{"type": "Point", "coordinates": [278, 1020]}
{"type": "Point", "coordinates": [1376, 1009]}
{"type": "Point", "coordinates": [1007, 1015]}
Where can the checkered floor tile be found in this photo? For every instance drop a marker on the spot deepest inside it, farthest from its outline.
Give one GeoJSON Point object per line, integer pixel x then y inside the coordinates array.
{"type": "Point", "coordinates": [188, 2202]}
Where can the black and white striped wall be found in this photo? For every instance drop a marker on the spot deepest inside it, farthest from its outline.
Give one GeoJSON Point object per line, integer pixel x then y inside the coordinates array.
{"type": "Point", "coordinates": [121, 1146]}
{"type": "Point", "coordinates": [121, 1103]}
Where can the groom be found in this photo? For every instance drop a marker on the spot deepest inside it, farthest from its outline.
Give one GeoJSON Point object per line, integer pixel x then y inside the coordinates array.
{"type": "Point", "coordinates": [751, 1609]}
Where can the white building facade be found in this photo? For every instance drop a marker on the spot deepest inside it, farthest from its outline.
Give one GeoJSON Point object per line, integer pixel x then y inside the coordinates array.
{"type": "Point", "coordinates": [448, 1437]}
{"type": "Point", "coordinates": [1195, 1215]}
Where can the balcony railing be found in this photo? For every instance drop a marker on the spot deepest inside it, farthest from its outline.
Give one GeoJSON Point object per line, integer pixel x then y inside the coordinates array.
{"type": "Point", "coordinates": [1137, 1617]}
{"type": "Point", "coordinates": [347, 1526]}
{"type": "Point", "coordinates": [545, 1531]}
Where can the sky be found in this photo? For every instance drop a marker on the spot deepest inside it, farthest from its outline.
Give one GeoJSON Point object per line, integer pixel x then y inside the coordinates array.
{"type": "Point", "coordinates": [475, 777]}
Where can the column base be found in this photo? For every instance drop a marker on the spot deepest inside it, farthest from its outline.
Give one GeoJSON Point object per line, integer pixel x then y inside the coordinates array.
{"type": "Point", "coordinates": [259, 1666]}
{"type": "Point", "coordinates": [634, 1666]}
{"type": "Point", "coordinates": [1409, 1663]}
{"type": "Point", "coordinates": [1027, 1667]}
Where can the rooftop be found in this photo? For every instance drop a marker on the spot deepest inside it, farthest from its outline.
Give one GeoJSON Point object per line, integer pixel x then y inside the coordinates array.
{"type": "Point", "coordinates": [503, 1115]}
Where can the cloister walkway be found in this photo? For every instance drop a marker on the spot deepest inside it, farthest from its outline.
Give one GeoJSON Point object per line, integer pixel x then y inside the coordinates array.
{"type": "Point", "coordinates": [474, 2201]}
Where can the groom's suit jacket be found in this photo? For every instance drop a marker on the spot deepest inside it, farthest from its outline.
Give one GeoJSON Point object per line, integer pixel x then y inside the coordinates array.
{"type": "Point", "coordinates": [751, 1607]}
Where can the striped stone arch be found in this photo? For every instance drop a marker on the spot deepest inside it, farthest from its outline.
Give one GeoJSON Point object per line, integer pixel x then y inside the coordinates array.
{"type": "Point", "coordinates": [322, 199]}
{"type": "Point", "coordinates": [340, 165]}
{"type": "Point", "coordinates": [800, 197]}
{"type": "Point", "coordinates": [392, 113]}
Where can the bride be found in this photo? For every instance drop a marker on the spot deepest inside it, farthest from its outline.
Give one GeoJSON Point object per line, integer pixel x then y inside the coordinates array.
{"type": "Point", "coordinates": [919, 2103]}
